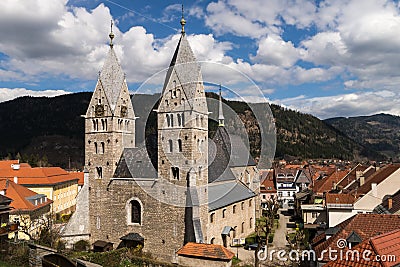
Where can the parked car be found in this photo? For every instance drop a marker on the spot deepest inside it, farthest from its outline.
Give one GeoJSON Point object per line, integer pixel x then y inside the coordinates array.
{"type": "Point", "coordinates": [253, 246]}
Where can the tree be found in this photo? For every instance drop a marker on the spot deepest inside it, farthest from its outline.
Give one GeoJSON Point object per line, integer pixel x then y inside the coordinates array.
{"type": "Point", "coordinates": [264, 225]}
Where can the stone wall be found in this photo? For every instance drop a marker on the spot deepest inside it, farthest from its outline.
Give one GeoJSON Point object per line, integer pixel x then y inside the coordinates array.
{"type": "Point", "coordinates": [196, 262]}
{"type": "Point", "coordinates": [36, 253]}
{"type": "Point", "coordinates": [245, 215]}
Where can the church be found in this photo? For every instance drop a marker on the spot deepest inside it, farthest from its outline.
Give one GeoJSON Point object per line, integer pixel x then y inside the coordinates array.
{"type": "Point", "coordinates": [191, 188]}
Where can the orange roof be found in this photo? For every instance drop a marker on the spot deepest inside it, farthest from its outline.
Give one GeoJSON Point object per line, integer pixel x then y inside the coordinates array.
{"type": "Point", "coordinates": [19, 195]}
{"type": "Point", "coordinates": [267, 178]}
{"type": "Point", "coordinates": [364, 225]}
{"type": "Point", "coordinates": [37, 176]}
{"type": "Point", "coordinates": [209, 251]}
{"type": "Point", "coordinates": [326, 184]}
{"type": "Point", "coordinates": [80, 175]}
{"type": "Point", "coordinates": [339, 198]}
{"type": "Point", "coordinates": [5, 164]}
{"type": "Point", "coordinates": [377, 178]}
{"type": "Point", "coordinates": [382, 245]}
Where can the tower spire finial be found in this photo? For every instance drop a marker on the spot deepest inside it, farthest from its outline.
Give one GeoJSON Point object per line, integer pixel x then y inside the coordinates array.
{"type": "Point", "coordinates": [111, 35]}
{"type": "Point", "coordinates": [183, 22]}
{"type": "Point", "coordinates": [221, 119]}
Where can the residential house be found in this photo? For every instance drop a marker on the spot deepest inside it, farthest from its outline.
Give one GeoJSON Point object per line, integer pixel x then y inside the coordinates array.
{"type": "Point", "coordinates": [267, 187]}
{"type": "Point", "coordinates": [379, 251]}
{"type": "Point", "coordinates": [54, 182]}
{"type": "Point", "coordinates": [352, 232]}
{"type": "Point", "coordinates": [29, 209]}
{"type": "Point", "coordinates": [286, 187]}
{"type": "Point", "coordinates": [339, 207]}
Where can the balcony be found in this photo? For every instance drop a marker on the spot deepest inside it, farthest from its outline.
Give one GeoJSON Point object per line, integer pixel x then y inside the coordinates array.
{"type": "Point", "coordinates": [9, 228]}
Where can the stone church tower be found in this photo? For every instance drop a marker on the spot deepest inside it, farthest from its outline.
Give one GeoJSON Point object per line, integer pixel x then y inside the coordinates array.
{"type": "Point", "coordinates": [182, 136]}
{"type": "Point", "coordinates": [109, 128]}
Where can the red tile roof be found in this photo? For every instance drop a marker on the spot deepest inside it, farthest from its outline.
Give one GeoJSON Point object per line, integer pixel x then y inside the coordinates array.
{"type": "Point", "coordinates": [351, 176]}
{"type": "Point", "coordinates": [208, 251]}
{"type": "Point", "coordinates": [326, 184]}
{"type": "Point", "coordinates": [331, 198]}
{"type": "Point", "coordinates": [19, 195]}
{"type": "Point", "coordinates": [5, 164]}
{"type": "Point", "coordinates": [80, 176]}
{"type": "Point", "coordinates": [382, 245]}
{"type": "Point", "coordinates": [377, 178]}
{"type": "Point", "coordinates": [364, 225]}
{"type": "Point", "coordinates": [36, 176]}
{"type": "Point", "coordinates": [267, 177]}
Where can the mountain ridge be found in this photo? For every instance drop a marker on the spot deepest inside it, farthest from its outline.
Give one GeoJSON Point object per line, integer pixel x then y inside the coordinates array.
{"type": "Point", "coordinates": [50, 130]}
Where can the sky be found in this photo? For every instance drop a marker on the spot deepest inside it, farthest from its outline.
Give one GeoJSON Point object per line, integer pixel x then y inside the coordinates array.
{"type": "Point", "coordinates": [328, 58]}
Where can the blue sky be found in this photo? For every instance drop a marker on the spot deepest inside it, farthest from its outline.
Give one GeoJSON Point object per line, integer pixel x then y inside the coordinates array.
{"type": "Point", "coordinates": [328, 58]}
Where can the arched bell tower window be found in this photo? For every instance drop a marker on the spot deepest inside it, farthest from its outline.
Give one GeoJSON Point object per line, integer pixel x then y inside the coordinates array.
{"type": "Point", "coordinates": [168, 121]}
{"type": "Point", "coordinates": [134, 211]}
{"type": "Point", "coordinates": [179, 120]}
{"type": "Point", "coordinates": [179, 145]}
{"type": "Point", "coordinates": [170, 145]}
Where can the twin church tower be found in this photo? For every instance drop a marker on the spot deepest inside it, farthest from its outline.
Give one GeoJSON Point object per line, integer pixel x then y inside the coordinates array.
{"type": "Point", "coordinates": [129, 199]}
{"type": "Point", "coordinates": [182, 122]}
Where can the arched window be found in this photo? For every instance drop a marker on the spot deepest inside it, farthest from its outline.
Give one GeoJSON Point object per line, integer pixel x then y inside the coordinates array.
{"type": "Point", "coordinates": [94, 125]}
{"type": "Point", "coordinates": [212, 217]}
{"type": "Point", "coordinates": [95, 148]}
{"type": "Point", "coordinates": [136, 212]}
{"type": "Point", "coordinates": [170, 145]}
{"type": "Point", "coordinates": [103, 126]}
{"type": "Point", "coordinates": [183, 119]}
{"type": "Point", "coordinates": [200, 168]}
{"type": "Point", "coordinates": [179, 145]}
{"type": "Point", "coordinates": [242, 229]}
{"type": "Point", "coordinates": [201, 121]}
{"type": "Point", "coordinates": [172, 120]}
{"type": "Point", "coordinates": [242, 205]}
{"type": "Point", "coordinates": [106, 123]}
{"type": "Point", "coordinates": [99, 171]}
{"type": "Point", "coordinates": [223, 213]}
{"type": "Point", "coordinates": [168, 121]}
{"type": "Point", "coordinates": [234, 209]}
{"type": "Point", "coordinates": [175, 173]}
{"type": "Point", "coordinates": [212, 240]}
{"type": "Point", "coordinates": [251, 223]}
{"type": "Point", "coordinates": [179, 119]}
{"type": "Point", "coordinates": [102, 147]}
{"type": "Point", "coordinates": [250, 203]}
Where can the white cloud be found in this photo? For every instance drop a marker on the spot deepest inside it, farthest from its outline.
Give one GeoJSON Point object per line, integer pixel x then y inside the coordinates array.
{"type": "Point", "coordinates": [273, 50]}
{"type": "Point", "coordinates": [345, 105]}
{"type": "Point", "coordinates": [12, 93]}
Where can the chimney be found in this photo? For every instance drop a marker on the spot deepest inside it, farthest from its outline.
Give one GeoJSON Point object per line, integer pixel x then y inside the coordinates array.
{"type": "Point", "coordinates": [390, 203]}
{"type": "Point", "coordinates": [362, 180]}
{"type": "Point", "coordinates": [16, 179]}
{"type": "Point", "coordinates": [374, 190]}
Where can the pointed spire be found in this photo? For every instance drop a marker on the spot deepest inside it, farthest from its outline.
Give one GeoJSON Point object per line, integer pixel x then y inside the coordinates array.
{"type": "Point", "coordinates": [221, 119]}
{"type": "Point", "coordinates": [183, 22]}
{"type": "Point", "coordinates": [111, 35]}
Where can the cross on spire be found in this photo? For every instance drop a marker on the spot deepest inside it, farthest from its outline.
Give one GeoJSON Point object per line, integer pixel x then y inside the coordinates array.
{"type": "Point", "coordinates": [183, 22]}
{"type": "Point", "coordinates": [111, 35]}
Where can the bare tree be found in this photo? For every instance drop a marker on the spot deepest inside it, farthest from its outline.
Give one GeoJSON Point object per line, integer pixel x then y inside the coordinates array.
{"type": "Point", "coordinates": [264, 225]}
